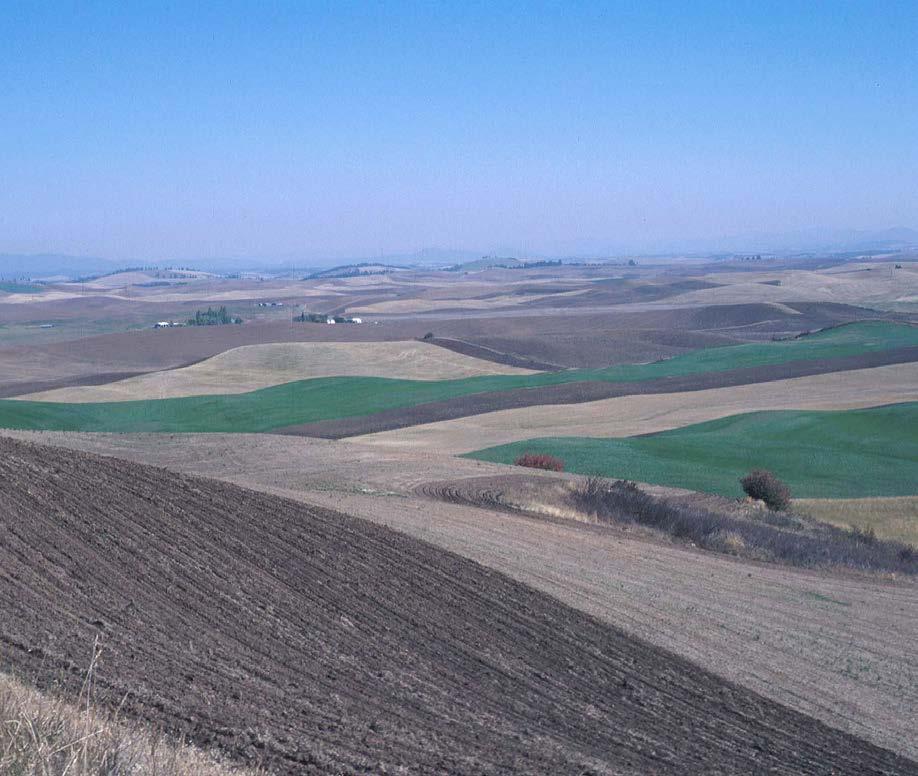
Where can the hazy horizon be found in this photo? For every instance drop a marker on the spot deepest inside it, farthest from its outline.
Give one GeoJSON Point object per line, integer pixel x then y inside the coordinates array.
{"type": "Point", "coordinates": [315, 135]}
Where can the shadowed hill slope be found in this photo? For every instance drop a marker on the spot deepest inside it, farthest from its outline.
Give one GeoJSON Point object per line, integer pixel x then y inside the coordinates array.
{"type": "Point", "coordinates": [314, 642]}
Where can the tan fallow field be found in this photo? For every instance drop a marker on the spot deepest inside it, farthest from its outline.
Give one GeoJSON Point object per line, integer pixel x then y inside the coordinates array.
{"type": "Point", "coordinates": [420, 305]}
{"type": "Point", "coordinates": [879, 283]}
{"type": "Point", "coordinates": [893, 517]}
{"type": "Point", "coordinates": [251, 367]}
{"type": "Point", "coordinates": [644, 414]}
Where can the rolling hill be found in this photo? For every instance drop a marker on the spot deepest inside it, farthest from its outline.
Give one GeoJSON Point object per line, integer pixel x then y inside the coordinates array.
{"type": "Point", "coordinates": [308, 641]}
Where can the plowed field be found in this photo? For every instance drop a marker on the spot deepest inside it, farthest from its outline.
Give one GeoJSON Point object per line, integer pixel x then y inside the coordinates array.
{"type": "Point", "coordinates": [316, 642]}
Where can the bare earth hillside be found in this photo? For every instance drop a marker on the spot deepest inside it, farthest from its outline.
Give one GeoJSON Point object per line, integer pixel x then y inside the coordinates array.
{"type": "Point", "coordinates": [839, 648]}
{"type": "Point", "coordinates": [315, 642]}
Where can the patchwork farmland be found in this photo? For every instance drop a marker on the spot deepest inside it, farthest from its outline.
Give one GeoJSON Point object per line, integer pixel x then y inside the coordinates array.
{"type": "Point", "coordinates": [431, 389]}
{"type": "Point", "coordinates": [322, 528]}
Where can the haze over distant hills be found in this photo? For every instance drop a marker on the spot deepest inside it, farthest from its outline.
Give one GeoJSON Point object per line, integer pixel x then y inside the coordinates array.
{"type": "Point", "coordinates": [815, 240]}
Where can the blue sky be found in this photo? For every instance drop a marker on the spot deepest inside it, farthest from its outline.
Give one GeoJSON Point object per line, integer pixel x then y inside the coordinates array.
{"type": "Point", "coordinates": [321, 131]}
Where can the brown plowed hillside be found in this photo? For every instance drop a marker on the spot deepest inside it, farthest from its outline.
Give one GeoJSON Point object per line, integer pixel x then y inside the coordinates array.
{"type": "Point", "coordinates": [320, 643]}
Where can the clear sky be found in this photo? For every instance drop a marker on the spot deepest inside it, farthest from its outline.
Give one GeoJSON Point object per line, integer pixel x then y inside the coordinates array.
{"type": "Point", "coordinates": [317, 131]}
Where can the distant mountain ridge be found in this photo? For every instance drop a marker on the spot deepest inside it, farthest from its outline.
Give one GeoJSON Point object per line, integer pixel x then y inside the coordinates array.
{"type": "Point", "coordinates": [813, 240]}
{"type": "Point", "coordinates": [40, 265]}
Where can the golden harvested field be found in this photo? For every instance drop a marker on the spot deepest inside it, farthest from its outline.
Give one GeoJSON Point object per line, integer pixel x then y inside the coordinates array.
{"type": "Point", "coordinates": [214, 295]}
{"type": "Point", "coordinates": [890, 518]}
{"type": "Point", "coordinates": [840, 648]}
{"type": "Point", "coordinates": [644, 414]}
{"type": "Point", "coordinates": [251, 367]}
{"type": "Point", "coordinates": [42, 296]}
{"type": "Point", "coordinates": [879, 283]}
{"type": "Point", "coordinates": [419, 305]}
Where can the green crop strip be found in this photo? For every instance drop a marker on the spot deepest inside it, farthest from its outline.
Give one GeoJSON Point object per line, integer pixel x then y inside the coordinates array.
{"type": "Point", "coordinates": [329, 398]}
{"type": "Point", "coordinates": [844, 454]}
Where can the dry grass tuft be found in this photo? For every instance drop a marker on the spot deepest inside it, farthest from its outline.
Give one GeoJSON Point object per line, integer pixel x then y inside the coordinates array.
{"type": "Point", "coordinates": [41, 735]}
{"type": "Point", "coordinates": [731, 542]}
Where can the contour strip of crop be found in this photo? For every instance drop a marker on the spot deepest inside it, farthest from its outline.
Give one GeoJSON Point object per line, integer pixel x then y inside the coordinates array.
{"type": "Point", "coordinates": [311, 401]}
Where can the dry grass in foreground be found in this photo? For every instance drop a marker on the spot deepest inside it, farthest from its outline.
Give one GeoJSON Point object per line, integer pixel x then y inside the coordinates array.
{"type": "Point", "coordinates": [43, 735]}
{"type": "Point", "coordinates": [890, 518]}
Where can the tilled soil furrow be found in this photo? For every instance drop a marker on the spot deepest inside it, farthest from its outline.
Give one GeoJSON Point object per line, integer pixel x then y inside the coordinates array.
{"type": "Point", "coordinates": [315, 642]}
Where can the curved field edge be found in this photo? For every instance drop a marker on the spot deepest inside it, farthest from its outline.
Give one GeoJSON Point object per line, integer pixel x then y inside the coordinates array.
{"type": "Point", "coordinates": [332, 398]}
{"type": "Point", "coordinates": [818, 454]}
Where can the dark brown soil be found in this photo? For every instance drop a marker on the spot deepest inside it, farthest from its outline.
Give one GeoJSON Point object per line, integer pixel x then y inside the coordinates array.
{"type": "Point", "coordinates": [592, 347]}
{"type": "Point", "coordinates": [578, 392]}
{"type": "Point", "coordinates": [489, 354]}
{"type": "Point", "coordinates": [596, 339]}
{"type": "Point", "coordinates": [18, 389]}
{"type": "Point", "coordinates": [313, 642]}
{"type": "Point", "coordinates": [613, 291]}
{"type": "Point", "coordinates": [99, 378]}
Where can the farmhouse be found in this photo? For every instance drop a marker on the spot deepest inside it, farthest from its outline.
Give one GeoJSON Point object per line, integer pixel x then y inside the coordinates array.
{"type": "Point", "coordinates": [329, 321]}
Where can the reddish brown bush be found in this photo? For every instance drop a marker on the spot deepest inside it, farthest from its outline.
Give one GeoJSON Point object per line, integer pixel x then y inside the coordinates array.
{"type": "Point", "coordinates": [763, 485]}
{"type": "Point", "coordinates": [540, 461]}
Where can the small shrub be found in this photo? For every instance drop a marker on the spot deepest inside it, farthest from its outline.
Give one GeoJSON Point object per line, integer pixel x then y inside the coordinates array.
{"type": "Point", "coordinates": [540, 461]}
{"type": "Point", "coordinates": [864, 535]}
{"type": "Point", "coordinates": [428, 336]}
{"type": "Point", "coordinates": [729, 542]}
{"type": "Point", "coordinates": [764, 486]}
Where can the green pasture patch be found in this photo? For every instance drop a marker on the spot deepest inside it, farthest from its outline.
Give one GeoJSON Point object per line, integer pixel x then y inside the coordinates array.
{"type": "Point", "coordinates": [844, 454]}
